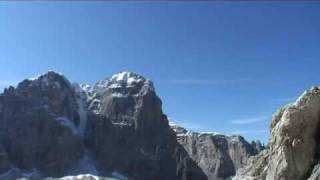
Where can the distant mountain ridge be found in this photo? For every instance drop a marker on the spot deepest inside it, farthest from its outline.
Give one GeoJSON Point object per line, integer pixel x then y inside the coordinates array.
{"type": "Point", "coordinates": [113, 129]}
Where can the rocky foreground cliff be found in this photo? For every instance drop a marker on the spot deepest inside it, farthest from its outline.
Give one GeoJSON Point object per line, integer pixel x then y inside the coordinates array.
{"type": "Point", "coordinates": [294, 144]}
{"type": "Point", "coordinates": [50, 128]}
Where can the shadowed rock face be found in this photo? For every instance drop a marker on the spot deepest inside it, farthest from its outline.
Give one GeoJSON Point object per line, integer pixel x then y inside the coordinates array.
{"type": "Point", "coordinates": [33, 118]}
{"type": "Point", "coordinates": [293, 144]}
{"type": "Point", "coordinates": [50, 128]}
{"type": "Point", "coordinates": [257, 146]}
{"type": "Point", "coordinates": [5, 164]}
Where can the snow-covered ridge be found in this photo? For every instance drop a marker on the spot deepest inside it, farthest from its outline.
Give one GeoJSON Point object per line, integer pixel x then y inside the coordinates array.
{"type": "Point", "coordinates": [81, 97]}
{"type": "Point", "coordinates": [122, 79]}
{"type": "Point", "coordinates": [119, 84]}
{"type": "Point", "coordinates": [181, 131]}
{"type": "Point", "coordinates": [128, 78]}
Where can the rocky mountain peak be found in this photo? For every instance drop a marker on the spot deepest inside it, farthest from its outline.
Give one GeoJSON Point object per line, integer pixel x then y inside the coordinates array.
{"type": "Point", "coordinates": [50, 77]}
{"type": "Point", "coordinates": [127, 78]}
{"type": "Point", "coordinates": [49, 81]}
{"type": "Point", "coordinates": [122, 84]}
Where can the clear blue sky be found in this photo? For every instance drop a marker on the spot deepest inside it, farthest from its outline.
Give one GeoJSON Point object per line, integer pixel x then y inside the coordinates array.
{"type": "Point", "coordinates": [223, 67]}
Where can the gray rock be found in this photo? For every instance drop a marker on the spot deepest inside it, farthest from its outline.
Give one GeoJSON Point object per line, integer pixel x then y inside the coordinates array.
{"type": "Point", "coordinates": [257, 146]}
{"type": "Point", "coordinates": [131, 134]}
{"type": "Point", "coordinates": [116, 128]}
{"type": "Point", "coordinates": [38, 120]}
{"type": "Point", "coordinates": [219, 156]}
{"type": "Point", "coordinates": [255, 168]}
{"type": "Point", "coordinates": [315, 174]}
{"type": "Point", "coordinates": [293, 145]}
{"type": "Point", "coordinates": [5, 164]}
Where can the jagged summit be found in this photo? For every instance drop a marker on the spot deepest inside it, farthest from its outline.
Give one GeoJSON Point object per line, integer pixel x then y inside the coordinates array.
{"type": "Point", "coordinates": [49, 75]}
{"type": "Point", "coordinates": [50, 79]}
{"type": "Point", "coordinates": [126, 77]}
{"type": "Point", "coordinates": [121, 81]}
{"type": "Point", "coordinates": [119, 85]}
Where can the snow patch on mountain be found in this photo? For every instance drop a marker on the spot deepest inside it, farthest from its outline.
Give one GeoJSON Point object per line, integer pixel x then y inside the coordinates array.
{"type": "Point", "coordinates": [181, 131]}
{"type": "Point", "coordinates": [119, 175]}
{"type": "Point", "coordinates": [80, 177]}
{"type": "Point", "coordinates": [67, 122]}
{"type": "Point", "coordinates": [86, 165]}
{"type": "Point", "coordinates": [86, 88]}
{"type": "Point", "coordinates": [120, 85]}
{"type": "Point", "coordinates": [125, 80]}
{"type": "Point", "coordinates": [128, 78]}
{"type": "Point", "coordinates": [82, 108]}
{"type": "Point", "coordinates": [100, 87]}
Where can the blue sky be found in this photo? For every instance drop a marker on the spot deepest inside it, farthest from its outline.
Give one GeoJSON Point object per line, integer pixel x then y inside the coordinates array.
{"type": "Point", "coordinates": [217, 66]}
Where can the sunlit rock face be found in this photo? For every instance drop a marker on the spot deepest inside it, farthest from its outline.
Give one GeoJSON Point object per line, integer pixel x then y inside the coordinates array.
{"type": "Point", "coordinates": [219, 156]}
{"type": "Point", "coordinates": [293, 145]}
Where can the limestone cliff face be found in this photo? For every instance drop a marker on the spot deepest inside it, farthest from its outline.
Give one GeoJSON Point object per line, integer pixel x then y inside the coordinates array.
{"type": "Point", "coordinates": [132, 136]}
{"type": "Point", "coordinates": [293, 144]}
{"type": "Point", "coordinates": [219, 156]}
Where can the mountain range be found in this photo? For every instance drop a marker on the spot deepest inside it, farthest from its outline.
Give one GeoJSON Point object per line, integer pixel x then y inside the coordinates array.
{"type": "Point", "coordinates": [116, 129]}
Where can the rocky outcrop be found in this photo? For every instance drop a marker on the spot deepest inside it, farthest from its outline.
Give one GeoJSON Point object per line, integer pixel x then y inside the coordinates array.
{"type": "Point", "coordinates": [219, 156]}
{"type": "Point", "coordinates": [315, 174]}
{"type": "Point", "coordinates": [293, 145]}
{"type": "Point", "coordinates": [50, 129]}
